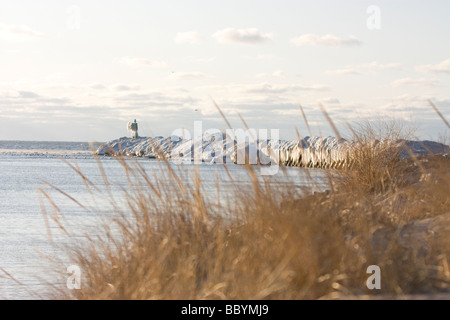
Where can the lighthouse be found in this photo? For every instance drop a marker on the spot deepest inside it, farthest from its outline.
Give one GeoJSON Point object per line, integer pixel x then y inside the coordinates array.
{"type": "Point", "coordinates": [133, 127]}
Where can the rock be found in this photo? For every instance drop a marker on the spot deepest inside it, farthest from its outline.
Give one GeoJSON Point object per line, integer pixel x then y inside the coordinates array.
{"type": "Point", "coordinates": [310, 152]}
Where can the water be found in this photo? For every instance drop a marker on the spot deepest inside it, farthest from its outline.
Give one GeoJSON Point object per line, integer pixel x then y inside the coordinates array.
{"type": "Point", "coordinates": [25, 243]}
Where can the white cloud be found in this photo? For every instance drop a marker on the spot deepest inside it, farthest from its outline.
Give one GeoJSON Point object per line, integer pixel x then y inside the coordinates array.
{"type": "Point", "coordinates": [407, 105]}
{"type": "Point", "coordinates": [57, 76]}
{"type": "Point", "coordinates": [329, 100]}
{"type": "Point", "coordinates": [190, 37]}
{"type": "Point", "coordinates": [262, 75]}
{"type": "Point", "coordinates": [364, 68]}
{"type": "Point", "coordinates": [326, 40]}
{"type": "Point", "coordinates": [96, 86]}
{"type": "Point", "coordinates": [415, 82]}
{"type": "Point", "coordinates": [267, 88]}
{"type": "Point", "coordinates": [142, 62]}
{"type": "Point", "coordinates": [443, 67]}
{"type": "Point", "coordinates": [247, 36]}
{"type": "Point", "coordinates": [13, 32]}
{"type": "Point", "coordinates": [188, 76]}
{"type": "Point", "coordinates": [265, 57]}
{"type": "Point", "coordinates": [211, 59]}
{"type": "Point", "coordinates": [345, 71]}
{"type": "Point", "coordinates": [279, 74]}
{"type": "Point", "coordinates": [259, 96]}
{"type": "Point", "coordinates": [28, 94]}
{"type": "Point", "coordinates": [125, 87]}
{"type": "Point", "coordinates": [375, 65]}
{"type": "Point", "coordinates": [275, 74]}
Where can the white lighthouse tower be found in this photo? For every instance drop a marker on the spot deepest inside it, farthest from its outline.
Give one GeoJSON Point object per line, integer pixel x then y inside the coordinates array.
{"type": "Point", "coordinates": [133, 127]}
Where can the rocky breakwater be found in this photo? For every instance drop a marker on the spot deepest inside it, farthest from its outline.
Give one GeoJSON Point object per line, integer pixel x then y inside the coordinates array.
{"type": "Point", "coordinates": [310, 152]}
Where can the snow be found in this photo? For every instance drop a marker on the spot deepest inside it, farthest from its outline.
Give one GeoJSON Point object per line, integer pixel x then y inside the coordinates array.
{"type": "Point", "coordinates": [219, 148]}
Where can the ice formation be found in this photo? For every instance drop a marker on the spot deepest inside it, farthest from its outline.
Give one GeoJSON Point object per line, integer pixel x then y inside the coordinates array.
{"type": "Point", "coordinates": [312, 152]}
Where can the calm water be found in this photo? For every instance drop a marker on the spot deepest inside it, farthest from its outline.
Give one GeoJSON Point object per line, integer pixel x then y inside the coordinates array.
{"type": "Point", "coordinates": [25, 244]}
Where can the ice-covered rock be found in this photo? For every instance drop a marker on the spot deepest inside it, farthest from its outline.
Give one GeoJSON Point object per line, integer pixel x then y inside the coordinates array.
{"type": "Point", "coordinates": [312, 152]}
{"type": "Point", "coordinates": [156, 147]}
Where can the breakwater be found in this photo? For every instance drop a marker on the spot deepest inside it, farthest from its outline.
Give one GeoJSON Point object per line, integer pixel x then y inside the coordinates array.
{"type": "Point", "coordinates": [309, 152]}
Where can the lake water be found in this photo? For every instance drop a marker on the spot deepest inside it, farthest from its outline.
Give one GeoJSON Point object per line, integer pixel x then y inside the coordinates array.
{"type": "Point", "coordinates": [25, 244]}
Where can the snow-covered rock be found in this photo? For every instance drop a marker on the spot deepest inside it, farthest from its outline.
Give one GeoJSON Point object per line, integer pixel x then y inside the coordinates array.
{"type": "Point", "coordinates": [313, 152]}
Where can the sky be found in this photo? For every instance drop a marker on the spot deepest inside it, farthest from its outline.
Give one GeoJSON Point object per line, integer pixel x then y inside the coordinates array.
{"type": "Point", "coordinates": [81, 70]}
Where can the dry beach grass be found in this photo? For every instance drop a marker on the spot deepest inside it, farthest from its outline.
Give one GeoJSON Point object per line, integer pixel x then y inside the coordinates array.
{"type": "Point", "coordinates": [274, 243]}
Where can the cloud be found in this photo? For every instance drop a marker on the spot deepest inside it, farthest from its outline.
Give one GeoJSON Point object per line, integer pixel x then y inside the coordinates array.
{"type": "Point", "coordinates": [97, 86]}
{"type": "Point", "coordinates": [364, 68]}
{"type": "Point", "coordinates": [246, 36]}
{"type": "Point", "coordinates": [19, 32]}
{"type": "Point", "coordinates": [275, 74]}
{"type": "Point", "coordinates": [279, 74]}
{"type": "Point", "coordinates": [326, 40]}
{"type": "Point", "coordinates": [375, 65]}
{"type": "Point", "coordinates": [188, 76]}
{"type": "Point", "coordinates": [267, 88]}
{"type": "Point", "coordinates": [152, 100]}
{"type": "Point", "coordinates": [443, 67]}
{"type": "Point", "coordinates": [28, 95]}
{"type": "Point", "coordinates": [415, 82]}
{"type": "Point", "coordinates": [155, 102]}
{"type": "Point", "coordinates": [267, 56]}
{"type": "Point", "coordinates": [57, 76]}
{"type": "Point", "coordinates": [345, 71]}
{"type": "Point", "coordinates": [142, 62]}
{"type": "Point", "coordinates": [39, 108]}
{"type": "Point", "coordinates": [329, 100]}
{"type": "Point", "coordinates": [408, 106]}
{"type": "Point", "coordinates": [29, 102]}
{"type": "Point", "coordinates": [261, 94]}
{"type": "Point", "coordinates": [125, 87]}
{"type": "Point", "coordinates": [206, 60]}
{"type": "Point", "coordinates": [262, 56]}
{"type": "Point", "coordinates": [190, 37]}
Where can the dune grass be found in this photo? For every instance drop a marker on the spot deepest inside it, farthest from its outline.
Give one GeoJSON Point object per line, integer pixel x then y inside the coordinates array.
{"type": "Point", "coordinates": [276, 243]}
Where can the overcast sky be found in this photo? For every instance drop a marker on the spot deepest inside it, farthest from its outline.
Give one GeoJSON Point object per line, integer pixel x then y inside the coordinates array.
{"type": "Point", "coordinates": [80, 70]}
